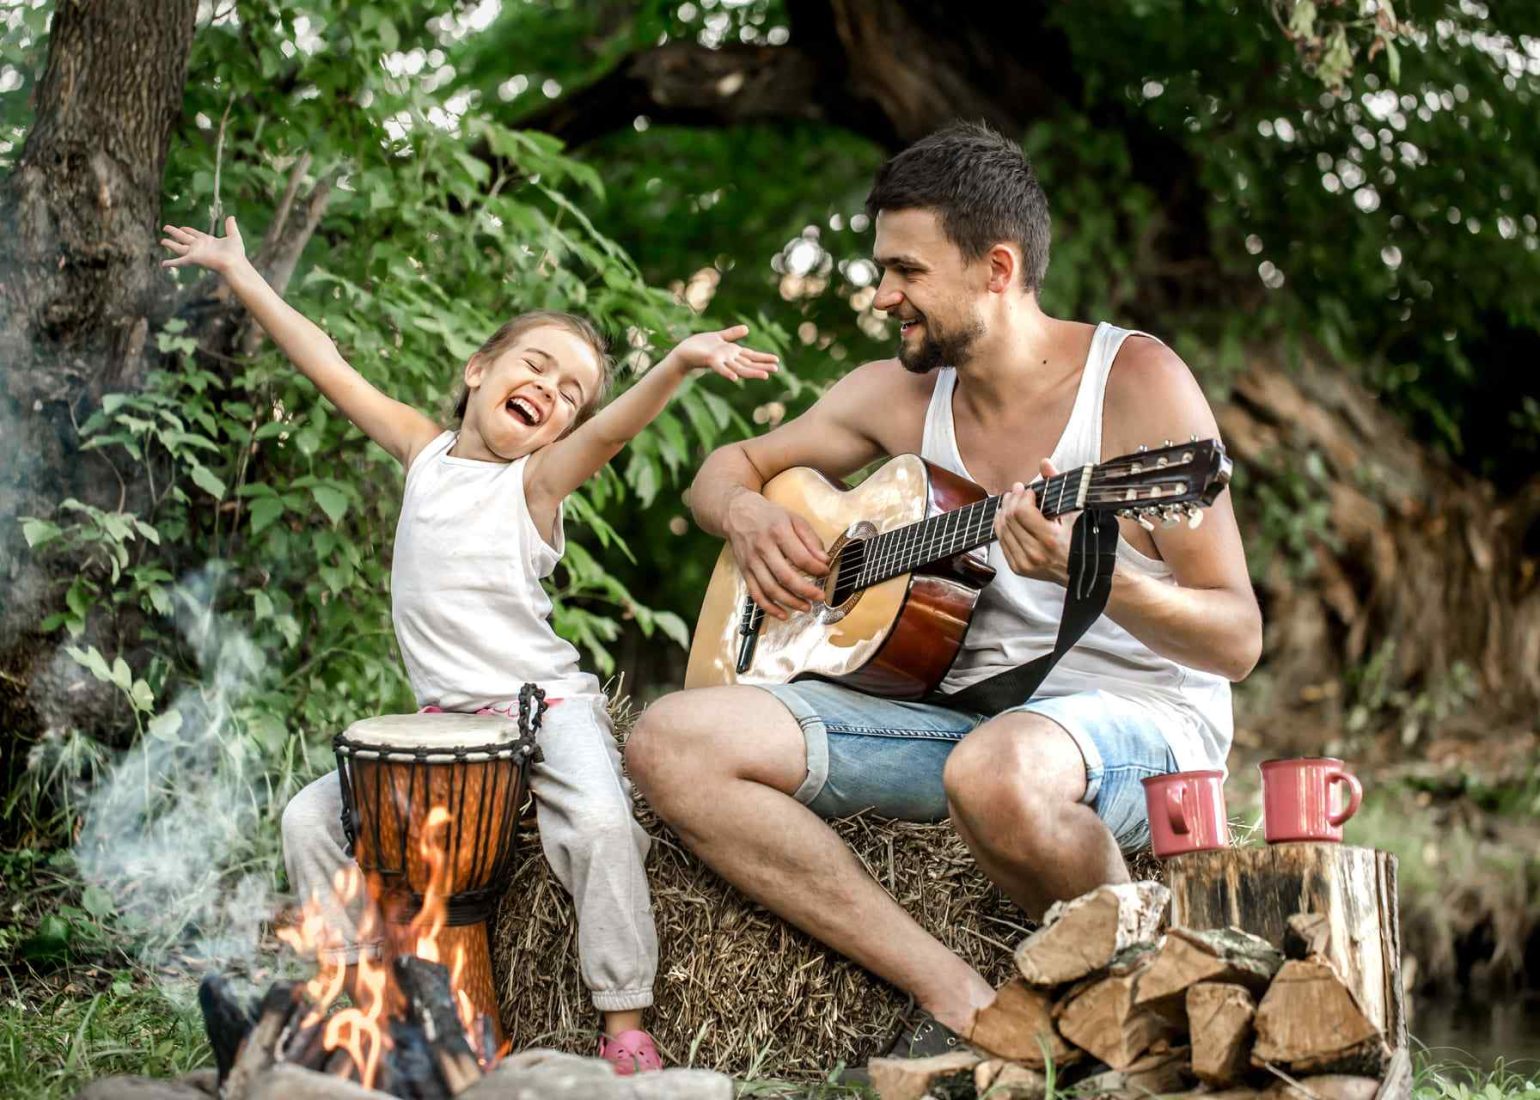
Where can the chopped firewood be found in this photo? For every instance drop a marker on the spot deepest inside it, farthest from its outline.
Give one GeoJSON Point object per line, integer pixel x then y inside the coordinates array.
{"type": "Point", "coordinates": [1309, 1022]}
{"type": "Point", "coordinates": [1353, 888]}
{"type": "Point", "coordinates": [1100, 1016]}
{"type": "Point", "coordinates": [1001, 1080]}
{"type": "Point", "coordinates": [1157, 1072]}
{"type": "Point", "coordinates": [1187, 957]}
{"type": "Point", "coordinates": [1219, 1018]}
{"type": "Point", "coordinates": [1018, 1025]}
{"type": "Point", "coordinates": [1080, 936]}
{"type": "Point", "coordinates": [1307, 935]}
{"type": "Point", "coordinates": [303, 1041]}
{"type": "Point", "coordinates": [431, 1001]}
{"type": "Point", "coordinates": [256, 1054]}
{"type": "Point", "coordinates": [227, 1017]}
{"type": "Point", "coordinates": [912, 1078]}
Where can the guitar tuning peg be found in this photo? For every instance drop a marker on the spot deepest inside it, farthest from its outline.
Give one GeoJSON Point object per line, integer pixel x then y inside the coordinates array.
{"type": "Point", "coordinates": [1169, 516]}
{"type": "Point", "coordinates": [1166, 443]}
{"type": "Point", "coordinates": [1193, 438]}
{"type": "Point", "coordinates": [1144, 519]}
{"type": "Point", "coordinates": [1142, 448]}
{"type": "Point", "coordinates": [1194, 517]}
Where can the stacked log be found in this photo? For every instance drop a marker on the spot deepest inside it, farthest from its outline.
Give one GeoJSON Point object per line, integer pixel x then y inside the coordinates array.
{"type": "Point", "coordinates": [1109, 1000]}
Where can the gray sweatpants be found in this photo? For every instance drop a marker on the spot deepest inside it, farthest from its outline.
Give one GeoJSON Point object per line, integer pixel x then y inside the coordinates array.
{"type": "Point", "coordinates": [588, 832]}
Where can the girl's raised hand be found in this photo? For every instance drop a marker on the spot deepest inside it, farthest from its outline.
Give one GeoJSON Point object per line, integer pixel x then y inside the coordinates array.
{"type": "Point", "coordinates": [194, 247]}
{"type": "Point", "coordinates": [719, 351]}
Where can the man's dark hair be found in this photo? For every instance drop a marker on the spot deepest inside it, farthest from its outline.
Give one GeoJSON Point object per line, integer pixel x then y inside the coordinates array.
{"type": "Point", "coordinates": [980, 185]}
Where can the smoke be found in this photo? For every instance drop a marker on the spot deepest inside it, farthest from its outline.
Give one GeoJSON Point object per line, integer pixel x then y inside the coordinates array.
{"type": "Point", "coordinates": [170, 828]}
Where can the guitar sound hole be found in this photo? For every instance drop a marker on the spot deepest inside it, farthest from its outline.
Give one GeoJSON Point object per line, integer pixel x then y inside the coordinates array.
{"type": "Point", "coordinates": [847, 571]}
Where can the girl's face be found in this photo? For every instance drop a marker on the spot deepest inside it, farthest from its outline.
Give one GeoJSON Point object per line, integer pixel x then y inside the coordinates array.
{"type": "Point", "coordinates": [530, 394]}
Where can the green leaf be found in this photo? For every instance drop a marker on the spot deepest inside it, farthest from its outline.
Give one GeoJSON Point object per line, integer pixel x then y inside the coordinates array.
{"type": "Point", "coordinates": [332, 501]}
{"type": "Point", "coordinates": [673, 626]}
{"type": "Point", "coordinates": [142, 698]}
{"type": "Point", "coordinates": [264, 511]}
{"type": "Point", "coordinates": [98, 902]}
{"type": "Point", "coordinates": [92, 660]}
{"type": "Point", "coordinates": [165, 727]}
{"type": "Point", "coordinates": [37, 532]}
{"type": "Point", "coordinates": [208, 481]}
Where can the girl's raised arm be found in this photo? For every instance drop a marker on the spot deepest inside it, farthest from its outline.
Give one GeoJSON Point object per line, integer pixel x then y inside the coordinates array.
{"type": "Point", "coordinates": [555, 471]}
{"type": "Point", "coordinates": [399, 428]}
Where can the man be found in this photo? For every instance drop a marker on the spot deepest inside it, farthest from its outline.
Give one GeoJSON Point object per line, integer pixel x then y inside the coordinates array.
{"type": "Point", "coordinates": [1046, 795]}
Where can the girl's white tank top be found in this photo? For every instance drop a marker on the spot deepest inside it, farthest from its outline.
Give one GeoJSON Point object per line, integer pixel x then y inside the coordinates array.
{"type": "Point", "coordinates": [1017, 619]}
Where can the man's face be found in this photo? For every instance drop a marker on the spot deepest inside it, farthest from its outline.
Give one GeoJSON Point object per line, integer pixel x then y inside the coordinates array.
{"type": "Point", "coordinates": [930, 288]}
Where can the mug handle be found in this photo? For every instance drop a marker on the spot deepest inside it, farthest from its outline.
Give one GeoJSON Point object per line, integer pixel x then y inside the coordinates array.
{"type": "Point", "coordinates": [1176, 814]}
{"type": "Point", "coordinates": [1355, 797]}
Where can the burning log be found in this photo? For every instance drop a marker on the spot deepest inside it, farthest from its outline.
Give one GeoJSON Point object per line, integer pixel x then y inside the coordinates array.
{"type": "Point", "coordinates": [431, 1000]}
{"type": "Point", "coordinates": [256, 1053]}
{"type": "Point", "coordinates": [413, 1070]}
{"type": "Point", "coordinates": [1081, 936]}
{"type": "Point", "coordinates": [227, 1018]}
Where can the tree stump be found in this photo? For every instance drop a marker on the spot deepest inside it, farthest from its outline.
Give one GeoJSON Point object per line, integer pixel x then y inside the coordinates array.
{"type": "Point", "coordinates": [1353, 889]}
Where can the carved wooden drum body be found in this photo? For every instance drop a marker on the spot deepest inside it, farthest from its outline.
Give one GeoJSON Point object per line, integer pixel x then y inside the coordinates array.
{"type": "Point", "coordinates": [395, 771]}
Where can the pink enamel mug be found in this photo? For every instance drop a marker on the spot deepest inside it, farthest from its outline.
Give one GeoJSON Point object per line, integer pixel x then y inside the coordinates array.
{"type": "Point", "coordinates": [1297, 798]}
{"type": "Point", "coordinates": [1187, 812]}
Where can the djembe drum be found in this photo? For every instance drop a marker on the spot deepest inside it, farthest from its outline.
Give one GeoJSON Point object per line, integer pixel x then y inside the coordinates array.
{"type": "Point", "coordinates": [394, 771]}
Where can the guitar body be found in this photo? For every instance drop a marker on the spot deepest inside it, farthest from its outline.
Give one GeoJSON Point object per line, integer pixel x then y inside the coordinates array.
{"type": "Point", "coordinates": [896, 638]}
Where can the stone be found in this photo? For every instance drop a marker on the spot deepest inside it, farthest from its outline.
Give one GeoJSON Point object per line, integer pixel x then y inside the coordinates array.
{"type": "Point", "coordinates": [681, 1084]}
{"type": "Point", "coordinates": [291, 1082]}
{"type": "Point", "coordinates": [140, 1088]}
{"type": "Point", "coordinates": [541, 1074]}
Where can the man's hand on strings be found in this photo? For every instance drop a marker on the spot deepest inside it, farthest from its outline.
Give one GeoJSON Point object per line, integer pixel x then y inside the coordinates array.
{"type": "Point", "coordinates": [1034, 545]}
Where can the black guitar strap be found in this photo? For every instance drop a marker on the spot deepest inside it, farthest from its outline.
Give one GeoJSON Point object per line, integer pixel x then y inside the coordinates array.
{"type": "Point", "coordinates": [1093, 552]}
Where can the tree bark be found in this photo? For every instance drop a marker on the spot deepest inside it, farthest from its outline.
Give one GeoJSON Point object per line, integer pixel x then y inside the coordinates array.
{"type": "Point", "coordinates": [79, 217]}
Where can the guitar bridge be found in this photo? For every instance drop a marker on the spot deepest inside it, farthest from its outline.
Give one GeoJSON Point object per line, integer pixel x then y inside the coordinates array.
{"type": "Point", "coordinates": [749, 622]}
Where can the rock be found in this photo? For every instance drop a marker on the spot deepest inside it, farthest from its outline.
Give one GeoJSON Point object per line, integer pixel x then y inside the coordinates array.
{"type": "Point", "coordinates": [206, 1079]}
{"type": "Point", "coordinates": [140, 1088]}
{"type": "Point", "coordinates": [291, 1082]}
{"type": "Point", "coordinates": [681, 1084]}
{"type": "Point", "coordinates": [550, 1075]}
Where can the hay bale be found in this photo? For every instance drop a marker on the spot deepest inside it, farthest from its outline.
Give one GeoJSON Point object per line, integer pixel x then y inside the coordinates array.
{"type": "Point", "coordinates": [738, 989]}
{"type": "Point", "coordinates": [736, 985]}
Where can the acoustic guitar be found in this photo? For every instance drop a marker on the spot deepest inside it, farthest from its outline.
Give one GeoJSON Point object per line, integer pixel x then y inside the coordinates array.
{"type": "Point", "coordinates": [906, 567]}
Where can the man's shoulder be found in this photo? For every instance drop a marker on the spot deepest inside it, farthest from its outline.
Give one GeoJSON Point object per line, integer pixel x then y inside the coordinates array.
{"type": "Point", "coordinates": [884, 381]}
{"type": "Point", "coordinates": [1151, 390]}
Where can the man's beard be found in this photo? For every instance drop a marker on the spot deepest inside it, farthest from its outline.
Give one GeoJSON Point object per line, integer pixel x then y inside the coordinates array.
{"type": "Point", "coordinates": [940, 348]}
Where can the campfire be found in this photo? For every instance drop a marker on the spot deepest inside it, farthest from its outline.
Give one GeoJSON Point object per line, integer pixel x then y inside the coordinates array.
{"type": "Point", "coordinates": [411, 1030]}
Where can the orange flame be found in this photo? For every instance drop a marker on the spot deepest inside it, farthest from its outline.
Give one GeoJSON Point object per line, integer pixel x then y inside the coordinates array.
{"type": "Point", "coordinates": [360, 1029]}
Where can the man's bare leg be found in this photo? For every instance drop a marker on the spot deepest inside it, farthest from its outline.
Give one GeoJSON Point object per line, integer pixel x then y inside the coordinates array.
{"type": "Point", "coordinates": [720, 765]}
{"type": "Point", "coordinates": [1014, 787]}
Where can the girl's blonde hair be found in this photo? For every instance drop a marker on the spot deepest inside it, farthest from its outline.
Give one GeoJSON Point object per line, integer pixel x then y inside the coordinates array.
{"type": "Point", "coordinates": [510, 332]}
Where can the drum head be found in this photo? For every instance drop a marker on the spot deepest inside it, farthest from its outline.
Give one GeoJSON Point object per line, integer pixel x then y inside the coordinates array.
{"type": "Point", "coordinates": [434, 733]}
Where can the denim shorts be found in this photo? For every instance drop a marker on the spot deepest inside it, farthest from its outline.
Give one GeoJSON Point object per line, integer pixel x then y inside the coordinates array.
{"type": "Point", "coordinates": [886, 755]}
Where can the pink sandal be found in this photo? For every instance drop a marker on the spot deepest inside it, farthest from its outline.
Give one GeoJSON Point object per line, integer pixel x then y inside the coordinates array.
{"type": "Point", "coordinates": [630, 1052]}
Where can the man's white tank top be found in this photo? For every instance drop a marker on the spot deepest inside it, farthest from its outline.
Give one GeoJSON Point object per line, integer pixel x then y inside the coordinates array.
{"type": "Point", "coordinates": [1017, 618]}
{"type": "Point", "coordinates": [471, 617]}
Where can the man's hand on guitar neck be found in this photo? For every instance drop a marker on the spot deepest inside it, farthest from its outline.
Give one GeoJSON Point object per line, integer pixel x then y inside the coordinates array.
{"type": "Point", "coordinates": [1034, 545]}
{"type": "Point", "coordinates": [777, 551]}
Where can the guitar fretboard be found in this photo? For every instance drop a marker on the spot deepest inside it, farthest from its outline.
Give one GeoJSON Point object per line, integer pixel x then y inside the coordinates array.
{"type": "Point", "coordinates": [905, 549]}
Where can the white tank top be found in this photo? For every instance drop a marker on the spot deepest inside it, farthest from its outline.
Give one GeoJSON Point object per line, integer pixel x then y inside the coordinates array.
{"type": "Point", "coordinates": [471, 617]}
{"type": "Point", "coordinates": [1017, 619]}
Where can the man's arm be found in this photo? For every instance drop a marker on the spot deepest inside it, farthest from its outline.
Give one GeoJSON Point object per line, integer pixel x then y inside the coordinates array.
{"type": "Point", "coordinates": [777, 550]}
{"type": "Point", "coordinates": [1209, 619]}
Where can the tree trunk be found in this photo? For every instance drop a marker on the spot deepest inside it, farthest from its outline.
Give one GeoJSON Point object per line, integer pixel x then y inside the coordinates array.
{"type": "Point", "coordinates": [79, 216]}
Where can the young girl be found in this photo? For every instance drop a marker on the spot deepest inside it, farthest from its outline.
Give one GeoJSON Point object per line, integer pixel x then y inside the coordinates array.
{"type": "Point", "coordinates": [480, 524]}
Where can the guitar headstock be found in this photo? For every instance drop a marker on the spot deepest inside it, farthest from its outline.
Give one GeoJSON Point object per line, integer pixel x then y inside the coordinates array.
{"type": "Point", "coordinates": [1167, 483]}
